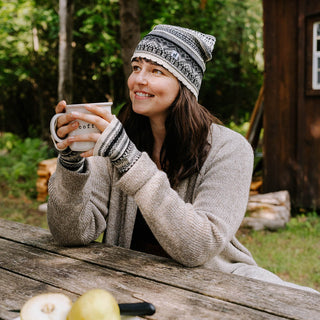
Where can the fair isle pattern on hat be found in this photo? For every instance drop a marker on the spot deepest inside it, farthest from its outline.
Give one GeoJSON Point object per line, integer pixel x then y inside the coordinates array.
{"type": "Point", "coordinates": [181, 51]}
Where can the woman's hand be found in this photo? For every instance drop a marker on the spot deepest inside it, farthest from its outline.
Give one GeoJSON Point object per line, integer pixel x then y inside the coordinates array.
{"type": "Point", "coordinates": [67, 123]}
{"type": "Point", "coordinates": [64, 124]}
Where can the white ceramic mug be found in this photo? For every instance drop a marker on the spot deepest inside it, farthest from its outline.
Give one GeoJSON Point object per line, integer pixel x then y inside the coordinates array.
{"type": "Point", "coordinates": [84, 127]}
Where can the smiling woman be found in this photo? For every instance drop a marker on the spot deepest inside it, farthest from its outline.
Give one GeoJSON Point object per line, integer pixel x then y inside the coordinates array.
{"type": "Point", "coordinates": [153, 90]}
{"type": "Point", "coordinates": [165, 177]}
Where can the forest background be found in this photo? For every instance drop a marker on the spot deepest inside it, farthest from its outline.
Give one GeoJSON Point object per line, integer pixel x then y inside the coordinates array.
{"type": "Point", "coordinates": [29, 53]}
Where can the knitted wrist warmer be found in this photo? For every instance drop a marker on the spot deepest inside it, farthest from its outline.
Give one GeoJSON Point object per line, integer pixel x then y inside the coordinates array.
{"type": "Point", "coordinates": [71, 160]}
{"type": "Point", "coordinates": [115, 144]}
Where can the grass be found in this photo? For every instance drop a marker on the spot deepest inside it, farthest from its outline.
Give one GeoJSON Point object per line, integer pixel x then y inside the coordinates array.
{"type": "Point", "coordinates": [293, 253]}
{"type": "Point", "coordinates": [22, 209]}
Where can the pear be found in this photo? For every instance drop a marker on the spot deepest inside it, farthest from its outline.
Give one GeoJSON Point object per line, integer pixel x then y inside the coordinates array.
{"type": "Point", "coordinates": [46, 306]}
{"type": "Point", "coordinates": [95, 304]}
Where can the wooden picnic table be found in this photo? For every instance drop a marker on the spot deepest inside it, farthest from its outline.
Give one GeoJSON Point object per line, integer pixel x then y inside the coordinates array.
{"type": "Point", "coordinates": [32, 263]}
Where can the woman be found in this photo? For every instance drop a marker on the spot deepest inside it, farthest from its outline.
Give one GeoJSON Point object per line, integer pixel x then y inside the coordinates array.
{"type": "Point", "coordinates": [165, 178]}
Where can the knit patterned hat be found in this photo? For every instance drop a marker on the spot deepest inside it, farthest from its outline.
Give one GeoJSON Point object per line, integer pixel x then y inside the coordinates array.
{"type": "Point", "coordinates": [181, 51]}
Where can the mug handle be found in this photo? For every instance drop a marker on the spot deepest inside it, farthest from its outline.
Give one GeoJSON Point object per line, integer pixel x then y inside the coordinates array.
{"type": "Point", "coordinates": [53, 124]}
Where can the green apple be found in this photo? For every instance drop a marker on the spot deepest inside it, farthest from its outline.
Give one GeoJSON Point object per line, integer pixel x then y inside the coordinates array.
{"type": "Point", "coordinates": [95, 304]}
{"type": "Point", "coordinates": [46, 306]}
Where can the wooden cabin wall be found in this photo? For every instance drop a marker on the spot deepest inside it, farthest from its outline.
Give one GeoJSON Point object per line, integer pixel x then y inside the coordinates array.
{"type": "Point", "coordinates": [280, 98]}
{"type": "Point", "coordinates": [292, 114]}
{"type": "Point", "coordinates": [308, 122]}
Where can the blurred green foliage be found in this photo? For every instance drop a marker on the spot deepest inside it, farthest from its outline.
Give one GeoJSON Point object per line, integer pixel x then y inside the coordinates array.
{"type": "Point", "coordinates": [19, 159]}
{"type": "Point", "coordinates": [241, 128]}
{"type": "Point", "coordinates": [29, 41]}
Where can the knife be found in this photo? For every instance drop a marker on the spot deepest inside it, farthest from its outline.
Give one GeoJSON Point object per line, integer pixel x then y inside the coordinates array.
{"type": "Point", "coordinates": [131, 309]}
{"type": "Point", "coordinates": [137, 309]}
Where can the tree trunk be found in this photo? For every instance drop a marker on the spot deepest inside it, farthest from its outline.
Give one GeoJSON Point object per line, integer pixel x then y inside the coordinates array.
{"type": "Point", "coordinates": [66, 8]}
{"type": "Point", "coordinates": [129, 33]}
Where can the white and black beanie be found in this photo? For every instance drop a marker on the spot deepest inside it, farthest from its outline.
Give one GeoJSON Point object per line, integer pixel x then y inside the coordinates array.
{"type": "Point", "coordinates": [181, 51]}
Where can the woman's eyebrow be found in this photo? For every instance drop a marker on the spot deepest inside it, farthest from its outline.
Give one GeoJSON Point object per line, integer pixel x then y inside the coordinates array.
{"type": "Point", "coordinates": [155, 64]}
{"type": "Point", "coordinates": [137, 59]}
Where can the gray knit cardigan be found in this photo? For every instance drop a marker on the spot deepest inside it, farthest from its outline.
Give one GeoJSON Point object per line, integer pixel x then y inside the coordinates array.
{"type": "Point", "coordinates": [195, 224]}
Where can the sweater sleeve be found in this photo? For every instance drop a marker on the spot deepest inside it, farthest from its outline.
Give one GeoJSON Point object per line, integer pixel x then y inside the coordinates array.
{"type": "Point", "coordinates": [194, 232]}
{"type": "Point", "coordinates": [77, 204]}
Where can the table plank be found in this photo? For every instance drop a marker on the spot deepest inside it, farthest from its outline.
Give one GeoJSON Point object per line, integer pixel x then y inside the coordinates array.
{"type": "Point", "coordinates": [274, 299]}
{"type": "Point", "coordinates": [17, 289]}
{"type": "Point", "coordinates": [76, 277]}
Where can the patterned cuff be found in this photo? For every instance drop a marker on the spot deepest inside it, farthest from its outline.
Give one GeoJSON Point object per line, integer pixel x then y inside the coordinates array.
{"type": "Point", "coordinates": [71, 160]}
{"type": "Point", "coordinates": [115, 144]}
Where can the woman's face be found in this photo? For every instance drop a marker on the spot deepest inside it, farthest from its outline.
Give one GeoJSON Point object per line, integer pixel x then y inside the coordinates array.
{"type": "Point", "coordinates": [152, 89]}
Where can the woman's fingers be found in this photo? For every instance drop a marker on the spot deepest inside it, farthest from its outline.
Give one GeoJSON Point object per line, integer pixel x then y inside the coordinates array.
{"type": "Point", "coordinates": [67, 122]}
{"type": "Point", "coordinates": [101, 121]}
{"type": "Point", "coordinates": [61, 106]}
{"type": "Point", "coordinates": [65, 119]}
{"type": "Point", "coordinates": [92, 137]}
{"type": "Point", "coordinates": [100, 111]}
{"type": "Point", "coordinates": [87, 154]}
{"type": "Point", "coordinates": [63, 130]}
{"type": "Point", "coordinates": [99, 116]}
{"type": "Point", "coordinates": [63, 145]}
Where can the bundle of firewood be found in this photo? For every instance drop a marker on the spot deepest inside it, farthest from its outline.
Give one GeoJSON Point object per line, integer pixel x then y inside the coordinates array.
{"type": "Point", "coordinates": [268, 210]}
{"type": "Point", "coordinates": [45, 169]}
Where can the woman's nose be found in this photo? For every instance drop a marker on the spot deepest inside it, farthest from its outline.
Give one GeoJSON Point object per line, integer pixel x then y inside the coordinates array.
{"type": "Point", "coordinates": [142, 77]}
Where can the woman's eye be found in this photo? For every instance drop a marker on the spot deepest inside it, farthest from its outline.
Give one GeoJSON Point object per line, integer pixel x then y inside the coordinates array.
{"type": "Point", "coordinates": [157, 71]}
{"type": "Point", "coordinates": [135, 68]}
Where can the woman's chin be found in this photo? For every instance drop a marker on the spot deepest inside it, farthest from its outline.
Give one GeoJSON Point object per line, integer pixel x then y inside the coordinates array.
{"type": "Point", "coordinates": [139, 110]}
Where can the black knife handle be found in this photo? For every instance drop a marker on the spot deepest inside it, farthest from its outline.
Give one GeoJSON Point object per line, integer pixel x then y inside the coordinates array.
{"type": "Point", "coordinates": [137, 309]}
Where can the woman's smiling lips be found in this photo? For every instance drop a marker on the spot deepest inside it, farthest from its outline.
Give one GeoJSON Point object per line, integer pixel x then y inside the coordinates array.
{"type": "Point", "coordinates": [142, 94]}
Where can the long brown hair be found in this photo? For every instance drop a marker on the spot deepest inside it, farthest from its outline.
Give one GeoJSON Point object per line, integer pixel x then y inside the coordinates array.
{"type": "Point", "coordinates": [186, 145]}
